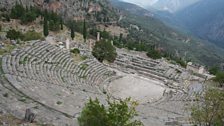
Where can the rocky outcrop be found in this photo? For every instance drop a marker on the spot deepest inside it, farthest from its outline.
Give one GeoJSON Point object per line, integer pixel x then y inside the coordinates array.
{"type": "Point", "coordinates": [75, 9]}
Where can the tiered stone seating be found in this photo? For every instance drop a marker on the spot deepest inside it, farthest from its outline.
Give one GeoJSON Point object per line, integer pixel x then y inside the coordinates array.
{"type": "Point", "coordinates": [49, 75]}
{"type": "Point", "coordinates": [148, 66]}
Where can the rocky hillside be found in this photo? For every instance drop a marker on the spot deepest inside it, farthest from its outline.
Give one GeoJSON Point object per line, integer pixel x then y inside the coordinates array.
{"type": "Point", "coordinates": [132, 8]}
{"type": "Point", "coordinates": [73, 9]}
{"type": "Point", "coordinates": [152, 30]}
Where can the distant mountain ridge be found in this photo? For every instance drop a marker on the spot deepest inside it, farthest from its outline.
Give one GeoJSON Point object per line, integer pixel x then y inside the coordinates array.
{"type": "Point", "coordinates": [205, 19]}
{"type": "Point", "coordinates": [172, 6]}
{"type": "Point", "coordinates": [153, 30]}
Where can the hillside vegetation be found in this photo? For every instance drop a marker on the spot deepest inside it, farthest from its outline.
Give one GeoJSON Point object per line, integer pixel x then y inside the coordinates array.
{"type": "Point", "coordinates": [152, 31]}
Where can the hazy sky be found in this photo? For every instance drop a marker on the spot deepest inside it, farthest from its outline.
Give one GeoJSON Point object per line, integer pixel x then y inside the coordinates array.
{"type": "Point", "coordinates": [141, 2]}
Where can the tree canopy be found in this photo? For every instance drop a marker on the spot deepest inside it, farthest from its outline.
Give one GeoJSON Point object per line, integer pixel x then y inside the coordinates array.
{"type": "Point", "coordinates": [14, 35]}
{"type": "Point", "coordinates": [220, 78]}
{"type": "Point", "coordinates": [154, 54]}
{"type": "Point", "coordinates": [104, 50]}
{"type": "Point", "coordinates": [118, 113]}
{"type": "Point", "coordinates": [26, 15]}
{"type": "Point", "coordinates": [214, 70]}
{"type": "Point", "coordinates": [209, 110]}
{"type": "Point", "coordinates": [45, 27]}
{"type": "Point", "coordinates": [84, 30]}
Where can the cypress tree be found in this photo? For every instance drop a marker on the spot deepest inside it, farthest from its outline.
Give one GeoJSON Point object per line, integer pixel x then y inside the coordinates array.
{"type": "Point", "coordinates": [72, 32]}
{"type": "Point", "coordinates": [45, 27]}
{"type": "Point", "coordinates": [120, 37]}
{"type": "Point", "coordinates": [84, 30]}
{"type": "Point", "coordinates": [61, 23]}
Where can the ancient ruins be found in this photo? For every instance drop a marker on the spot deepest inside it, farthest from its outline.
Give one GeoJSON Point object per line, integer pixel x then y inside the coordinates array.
{"type": "Point", "coordinates": [45, 79]}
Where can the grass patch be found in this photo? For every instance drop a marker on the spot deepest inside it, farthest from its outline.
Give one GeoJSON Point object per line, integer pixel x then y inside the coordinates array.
{"type": "Point", "coordinates": [83, 66]}
{"type": "Point", "coordinates": [24, 60]}
{"type": "Point", "coordinates": [83, 57]}
{"type": "Point", "coordinates": [8, 48]}
{"type": "Point", "coordinates": [23, 99]}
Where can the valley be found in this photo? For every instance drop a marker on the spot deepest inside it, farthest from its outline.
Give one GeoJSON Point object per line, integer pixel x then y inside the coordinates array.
{"type": "Point", "coordinates": [57, 56]}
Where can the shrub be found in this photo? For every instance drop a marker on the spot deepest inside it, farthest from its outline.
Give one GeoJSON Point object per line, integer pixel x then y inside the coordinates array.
{"type": "Point", "coordinates": [209, 110]}
{"type": "Point", "coordinates": [75, 51]}
{"type": "Point", "coordinates": [118, 113]}
{"type": "Point", "coordinates": [154, 54]}
{"type": "Point", "coordinates": [31, 35]}
{"type": "Point", "coordinates": [13, 34]}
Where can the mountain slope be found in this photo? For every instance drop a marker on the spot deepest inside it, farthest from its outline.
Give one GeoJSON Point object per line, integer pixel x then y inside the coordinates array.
{"type": "Point", "coordinates": [69, 9]}
{"type": "Point", "coordinates": [205, 19]}
{"type": "Point", "coordinates": [172, 5]}
{"type": "Point", "coordinates": [154, 31]}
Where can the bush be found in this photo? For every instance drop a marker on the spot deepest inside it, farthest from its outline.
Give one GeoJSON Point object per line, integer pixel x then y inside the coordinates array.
{"type": "Point", "coordinates": [154, 54]}
{"type": "Point", "coordinates": [31, 35]}
{"type": "Point", "coordinates": [118, 113]}
{"type": "Point", "coordinates": [209, 110]}
{"type": "Point", "coordinates": [214, 70]}
{"type": "Point", "coordinates": [14, 35]}
{"type": "Point", "coordinates": [219, 78]}
{"type": "Point", "coordinates": [28, 17]}
{"type": "Point", "coordinates": [104, 50]}
{"type": "Point", "coordinates": [75, 51]}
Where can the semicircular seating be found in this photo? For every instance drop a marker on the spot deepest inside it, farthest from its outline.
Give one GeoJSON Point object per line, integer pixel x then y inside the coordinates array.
{"type": "Point", "coordinates": [49, 75]}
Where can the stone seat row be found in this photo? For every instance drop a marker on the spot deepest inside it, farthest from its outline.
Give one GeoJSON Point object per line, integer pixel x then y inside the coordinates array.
{"type": "Point", "coordinates": [27, 63]}
{"type": "Point", "coordinates": [49, 75]}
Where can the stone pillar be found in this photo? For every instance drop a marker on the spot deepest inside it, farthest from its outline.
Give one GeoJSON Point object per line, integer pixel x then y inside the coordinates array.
{"type": "Point", "coordinates": [98, 36]}
{"type": "Point", "coordinates": [67, 44]}
{"type": "Point", "coordinates": [112, 42]}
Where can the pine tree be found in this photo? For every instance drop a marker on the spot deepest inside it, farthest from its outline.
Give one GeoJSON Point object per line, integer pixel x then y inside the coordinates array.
{"type": "Point", "coordinates": [45, 27]}
{"type": "Point", "coordinates": [72, 32]}
{"type": "Point", "coordinates": [84, 30]}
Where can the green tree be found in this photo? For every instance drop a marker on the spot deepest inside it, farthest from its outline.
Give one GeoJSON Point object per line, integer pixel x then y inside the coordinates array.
{"type": "Point", "coordinates": [45, 27]}
{"type": "Point", "coordinates": [84, 31]}
{"type": "Point", "coordinates": [14, 35]}
{"type": "Point", "coordinates": [72, 32]}
{"type": "Point", "coordinates": [61, 23]}
{"type": "Point", "coordinates": [118, 113]}
{"type": "Point", "coordinates": [17, 11]}
{"type": "Point", "coordinates": [104, 34]}
{"type": "Point", "coordinates": [120, 37]}
{"type": "Point", "coordinates": [75, 51]}
{"type": "Point", "coordinates": [93, 114]}
{"type": "Point", "coordinates": [104, 50]}
{"type": "Point", "coordinates": [214, 70]}
{"type": "Point", "coordinates": [28, 17]}
{"type": "Point", "coordinates": [154, 54]}
{"type": "Point", "coordinates": [54, 26]}
{"type": "Point", "coordinates": [209, 110]}
{"type": "Point", "coordinates": [219, 78]}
